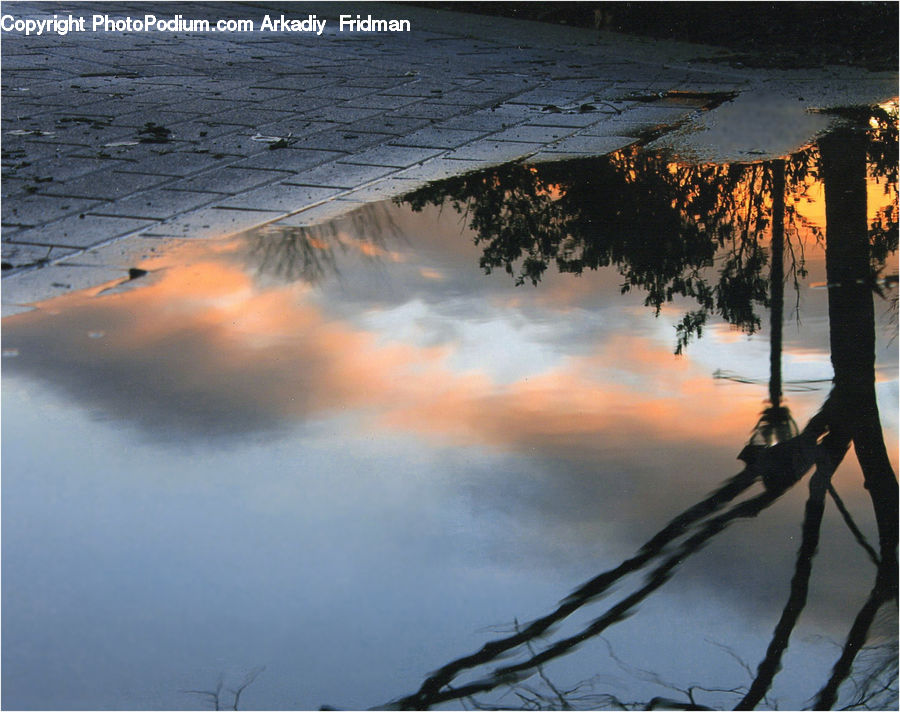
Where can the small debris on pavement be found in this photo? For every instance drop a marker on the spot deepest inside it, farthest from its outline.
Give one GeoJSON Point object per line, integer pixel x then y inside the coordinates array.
{"type": "Point", "coordinates": [275, 141]}
{"type": "Point", "coordinates": [154, 133]}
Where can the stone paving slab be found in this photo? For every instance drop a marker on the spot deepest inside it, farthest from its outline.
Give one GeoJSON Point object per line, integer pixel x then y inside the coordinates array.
{"type": "Point", "coordinates": [562, 153]}
{"type": "Point", "coordinates": [442, 167]}
{"type": "Point", "coordinates": [365, 116]}
{"type": "Point", "coordinates": [212, 222]}
{"type": "Point", "coordinates": [320, 213]}
{"type": "Point", "coordinates": [587, 145]}
{"type": "Point", "coordinates": [34, 210]}
{"type": "Point", "coordinates": [339, 175]}
{"type": "Point", "coordinates": [392, 156]}
{"type": "Point", "coordinates": [156, 204]}
{"type": "Point", "coordinates": [391, 125]}
{"type": "Point", "coordinates": [231, 179]}
{"type": "Point", "coordinates": [568, 120]}
{"type": "Point", "coordinates": [434, 137]}
{"type": "Point", "coordinates": [103, 185]}
{"type": "Point", "coordinates": [390, 187]}
{"type": "Point", "coordinates": [344, 140]}
{"type": "Point", "coordinates": [55, 280]}
{"type": "Point", "coordinates": [80, 231]}
{"type": "Point", "coordinates": [494, 151]}
{"type": "Point", "coordinates": [282, 197]}
{"type": "Point", "coordinates": [24, 255]}
{"type": "Point", "coordinates": [534, 134]}
{"type": "Point", "coordinates": [292, 158]}
{"type": "Point", "coordinates": [121, 254]}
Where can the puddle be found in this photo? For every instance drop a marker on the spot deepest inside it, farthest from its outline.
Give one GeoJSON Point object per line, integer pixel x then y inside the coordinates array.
{"type": "Point", "coordinates": [324, 462]}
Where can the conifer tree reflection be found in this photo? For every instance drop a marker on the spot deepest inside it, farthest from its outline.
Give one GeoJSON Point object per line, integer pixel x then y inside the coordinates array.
{"type": "Point", "coordinates": [775, 424]}
{"type": "Point", "coordinates": [671, 230]}
{"type": "Point", "coordinates": [309, 253]}
{"type": "Point", "coordinates": [664, 227]}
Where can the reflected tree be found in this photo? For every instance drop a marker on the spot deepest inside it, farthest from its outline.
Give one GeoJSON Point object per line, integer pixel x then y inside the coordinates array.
{"type": "Point", "coordinates": [664, 228]}
{"type": "Point", "coordinates": [852, 324]}
{"type": "Point", "coordinates": [309, 253]}
{"type": "Point", "coordinates": [671, 230]}
{"type": "Point", "coordinates": [215, 696]}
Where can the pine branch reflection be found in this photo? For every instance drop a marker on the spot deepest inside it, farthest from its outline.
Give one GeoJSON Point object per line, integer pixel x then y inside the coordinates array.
{"type": "Point", "coordinates": [308, 253]}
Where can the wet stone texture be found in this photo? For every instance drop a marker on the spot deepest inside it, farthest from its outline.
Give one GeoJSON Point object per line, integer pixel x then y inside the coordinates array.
{"type": "Point", "coordinates": [112, 135]}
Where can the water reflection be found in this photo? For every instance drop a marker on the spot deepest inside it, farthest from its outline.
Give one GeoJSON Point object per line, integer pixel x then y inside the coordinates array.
{"type": "Point", "coordinates": [661, 226]}
{"type": "Point", "coordinates": [419, 433]}
{"type": "Point", "coordinates": [309, 254]}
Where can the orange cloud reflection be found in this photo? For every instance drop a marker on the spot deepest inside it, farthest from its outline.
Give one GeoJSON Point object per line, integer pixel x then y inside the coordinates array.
{"type": "Point", "coordinates": [208, 336]}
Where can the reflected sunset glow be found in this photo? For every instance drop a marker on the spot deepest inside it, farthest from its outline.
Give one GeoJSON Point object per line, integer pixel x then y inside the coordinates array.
{"type": "Point", "coordinates": [378, 435]}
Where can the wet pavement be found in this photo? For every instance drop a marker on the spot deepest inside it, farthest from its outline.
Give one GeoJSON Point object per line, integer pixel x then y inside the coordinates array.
{"type": "Point", "coordinates": [114, 142]}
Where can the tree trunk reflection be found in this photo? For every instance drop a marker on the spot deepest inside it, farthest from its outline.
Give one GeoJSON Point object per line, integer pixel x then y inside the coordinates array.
{"type": "Point", "coordinates": [848, 415]}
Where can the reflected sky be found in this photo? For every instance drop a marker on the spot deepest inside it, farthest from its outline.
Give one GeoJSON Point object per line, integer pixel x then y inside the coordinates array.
{"type": "Point", "coordinates": [345, 453]}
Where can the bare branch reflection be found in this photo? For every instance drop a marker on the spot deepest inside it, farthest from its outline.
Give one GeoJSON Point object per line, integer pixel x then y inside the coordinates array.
{"type": "Point", "coordinates": [667, 228]}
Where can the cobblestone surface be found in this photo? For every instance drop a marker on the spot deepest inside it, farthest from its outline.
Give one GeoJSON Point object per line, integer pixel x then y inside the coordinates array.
{"type": "Point", "coordinates": [117, 139]}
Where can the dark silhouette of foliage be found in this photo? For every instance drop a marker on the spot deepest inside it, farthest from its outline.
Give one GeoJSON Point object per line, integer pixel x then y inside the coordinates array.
{"type": "Point", "coordinates": [671, 230]}
{"type": "Point", "coordinates": [309, 253]}
{"type": "Point", "coordinates": [790, 35]}
{"type": "Point", "coordinates": [719, 208]}
{"type": "Point", "coordinates": [716, 235]}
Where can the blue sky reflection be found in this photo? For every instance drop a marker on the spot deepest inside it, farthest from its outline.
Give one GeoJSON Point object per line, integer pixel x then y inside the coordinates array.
{"type": "Point", "coordinates": [347, 478]}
